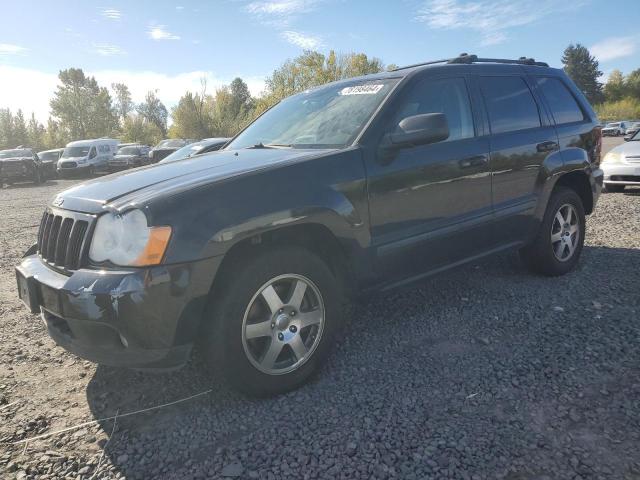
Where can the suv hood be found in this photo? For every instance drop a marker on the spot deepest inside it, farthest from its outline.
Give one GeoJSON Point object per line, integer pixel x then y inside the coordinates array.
{"type": "Point", "coordinates": [134, 187]}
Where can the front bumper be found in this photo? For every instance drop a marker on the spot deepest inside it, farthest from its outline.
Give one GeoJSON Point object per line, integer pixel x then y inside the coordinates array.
{"type": "Point", "coordinates": [621, 173]}
{"type": "Point", "coordinates": [139, 318]}
{"type": "Point", "coordinates": [17, 172]}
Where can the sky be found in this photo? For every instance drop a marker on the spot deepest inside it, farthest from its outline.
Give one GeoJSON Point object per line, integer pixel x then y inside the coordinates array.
{"type": "Point", "coordinates": [169, 45]}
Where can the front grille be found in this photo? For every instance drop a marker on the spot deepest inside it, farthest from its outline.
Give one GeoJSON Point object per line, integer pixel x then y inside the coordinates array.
{"type": "Point", "coordinates": [625, 178]}
{"type": "Point", "coordinates": [633, 158]}
{"type": "Point", "coordinates": [62, 239]}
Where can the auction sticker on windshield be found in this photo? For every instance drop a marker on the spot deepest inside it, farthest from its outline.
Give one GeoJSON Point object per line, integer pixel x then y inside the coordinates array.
{"type": "Point", "coordinates": [361, 90]}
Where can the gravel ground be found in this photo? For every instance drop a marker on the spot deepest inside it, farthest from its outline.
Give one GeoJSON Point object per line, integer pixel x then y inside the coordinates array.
{"type": "Point", "coordinates": [482, 372]}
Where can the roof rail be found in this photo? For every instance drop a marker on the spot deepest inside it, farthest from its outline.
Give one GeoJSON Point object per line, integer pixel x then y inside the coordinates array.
{"type": "Point", "coordinates": [465, 58]}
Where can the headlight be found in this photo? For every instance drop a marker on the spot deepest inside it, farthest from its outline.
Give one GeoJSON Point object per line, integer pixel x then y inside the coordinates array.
{"type": "Point", "coordinates": [125, 239]}
{"type": "Point", "coordinates": [612, 157]}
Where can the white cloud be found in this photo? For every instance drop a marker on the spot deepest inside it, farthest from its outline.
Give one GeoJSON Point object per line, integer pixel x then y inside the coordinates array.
{"type": "Point", "coordinates": [107, 49]}
{"type": "Point", "coordinates": [179, 8]}
{"type": "Point", "coordinates": [31, 90]}
{"type": "Point", "coordinates": [7, 49]}
{"type": "Point", "coordinates": [302, 40]}
{"type": "Point", "coordinates": [111, 13]}
{"type": "Point", "coordinates": [615, 47]}
{"type": "Point", "coordinates": [159, 32]}
{"type": "Point", "coordinates": [491, 18]}
{"type": "Point", "coordinates": [279, 12]}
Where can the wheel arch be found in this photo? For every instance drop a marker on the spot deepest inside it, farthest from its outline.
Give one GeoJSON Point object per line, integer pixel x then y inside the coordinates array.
{"type": "Point", "coordinates": [578, 181]}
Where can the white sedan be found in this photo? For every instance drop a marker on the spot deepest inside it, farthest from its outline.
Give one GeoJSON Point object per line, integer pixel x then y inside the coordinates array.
{"type": "Point", "coordinates": [621, 165]}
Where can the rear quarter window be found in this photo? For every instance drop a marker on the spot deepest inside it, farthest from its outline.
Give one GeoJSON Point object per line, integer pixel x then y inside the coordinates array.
{"type": "Point", "coordinates": [563, 105]}
{"type": "Point", "coordinates": [509, 103]}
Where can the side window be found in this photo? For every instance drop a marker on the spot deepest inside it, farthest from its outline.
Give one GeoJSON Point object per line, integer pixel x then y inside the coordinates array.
{"type": "Point", "coordinates": [446, 95]}
{"type": "Point", "coordinates": [563, 105]}
{"type": "Point", "coordinates": [510, 104]}
{"type": "Point", "coordinates": [92, 152]}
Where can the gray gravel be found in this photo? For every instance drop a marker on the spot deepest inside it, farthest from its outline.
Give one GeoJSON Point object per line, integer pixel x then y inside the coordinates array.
{"type": "Point", "coordinates": [483, 372]}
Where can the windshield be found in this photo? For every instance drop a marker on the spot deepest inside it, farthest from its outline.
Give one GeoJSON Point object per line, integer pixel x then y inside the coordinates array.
{"type": "Point", "coordinates": [129, 151]}
{"type": "Point", "coordinates": [184, 152]}
{"type": "Point", "coordinates": [170, 144]}
{"type": "Point", "coordinates": [326, 117]}
{"type": "Point", "coordinates": [48, 156]}
{"type": "Point", "coordinates": [71, 152]}
{"type": "Point", "coordinates": [613, 125]}
{"type": "Point", "coordinates": [15, 153]}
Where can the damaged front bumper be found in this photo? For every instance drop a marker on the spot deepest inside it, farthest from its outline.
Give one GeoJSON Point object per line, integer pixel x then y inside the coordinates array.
{"type": "Point", "coordinates": [139, 318]}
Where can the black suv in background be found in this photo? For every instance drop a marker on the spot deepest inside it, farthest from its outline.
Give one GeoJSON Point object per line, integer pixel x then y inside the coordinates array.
{"type": "Point", "coordinates": [360, 185]}
{"type": "Point", "coordinates": [21, 164]}
{"type": "Point", "coordinates": [166, 148]}
{"type": "Point", "coordinates": [129, 156]}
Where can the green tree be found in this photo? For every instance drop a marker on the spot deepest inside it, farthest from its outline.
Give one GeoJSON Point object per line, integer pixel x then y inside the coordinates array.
{"type": "Point", "coordinates": [241, 99]}
{"type": "Point", "coordinates": [615, 88]}
{"type": "Point", "coordinates": [632, 84]}
{"type": "Point", "coordinates": [20, 135]}
{"type": "Point", "coordinates": [154, 111]}
{"type": "Point", "coordinates": [82, 107]}
{"type": "Point", "coordinates": [136, 128]}
{"type": "Point", "coordinates": [122, 100]}
{"type": "Point", "coordinates": [35, 134]}
{"type": "Point", "coordinates": [55, 136]}
{"type": "Point", "coordinates": [192, 116]}
{"type": "Point", "coordinates": [6, 129]}
{"type": "Point", "coordinates": [312, 69]}
{"type": "Point", "coordinates": [582, 67]}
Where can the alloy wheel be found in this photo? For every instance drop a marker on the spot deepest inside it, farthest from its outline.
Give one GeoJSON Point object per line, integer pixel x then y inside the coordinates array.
{"type": "Point", "coordinates": [283, 324]}
{"type": "Point", "coordinates": [565, 232]}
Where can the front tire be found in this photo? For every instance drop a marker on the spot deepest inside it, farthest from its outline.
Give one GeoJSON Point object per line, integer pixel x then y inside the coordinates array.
{"type": "Point", "coordinates": [270, 326]}
{"type": "Point", "coordinates": [558, 244]}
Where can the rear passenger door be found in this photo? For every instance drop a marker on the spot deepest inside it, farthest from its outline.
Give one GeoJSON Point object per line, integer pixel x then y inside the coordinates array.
{"type": "Point", "coordinates": [522, 138]}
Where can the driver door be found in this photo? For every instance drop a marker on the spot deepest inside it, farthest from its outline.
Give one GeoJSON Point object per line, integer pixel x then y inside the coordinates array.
{"type": "Point", "coordinates": [430, 205]}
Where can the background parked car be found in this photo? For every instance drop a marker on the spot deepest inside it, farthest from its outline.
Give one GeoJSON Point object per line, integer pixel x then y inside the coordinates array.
{"type": "Point", "coordinates": [167, 147]}
{"type": "Point", "coordinates": [129, 156]}
{"type": "Point", "coordinates": [632, 130]}
{"type": "Point", "coordinates": [86, 156]}
{"type": "Point", "coordinates": [621, 165]}
{"type": "Point", "coordinates": [203, 146]}
{"type": "Point", "coordinates": [20, 164]}
{"type": "Point", "coordinates": [49, 159]}
{"type": "Point", "coordinates": [614, 129]}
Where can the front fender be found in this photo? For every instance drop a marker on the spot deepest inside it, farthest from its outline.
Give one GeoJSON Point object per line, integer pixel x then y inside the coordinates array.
{"type": "Point", "coordinates": [329, 190]}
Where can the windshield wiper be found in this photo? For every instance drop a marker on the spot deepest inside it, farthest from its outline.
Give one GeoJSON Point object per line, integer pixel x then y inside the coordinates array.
{"type": "Point", "coordinates": [271, 145]}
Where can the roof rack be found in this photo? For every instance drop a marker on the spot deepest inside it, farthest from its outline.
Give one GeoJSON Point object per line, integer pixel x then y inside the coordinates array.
{"type": "Point", "coordinates": [465, 58]}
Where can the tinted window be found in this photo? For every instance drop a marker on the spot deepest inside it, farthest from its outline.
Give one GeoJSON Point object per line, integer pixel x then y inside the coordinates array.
{"type": "Point", "coordinates": [509, 103]}
{"type": "Point", "coordinates": [446, 95]}
{"type": "Point", "coordinates": [563, 106]}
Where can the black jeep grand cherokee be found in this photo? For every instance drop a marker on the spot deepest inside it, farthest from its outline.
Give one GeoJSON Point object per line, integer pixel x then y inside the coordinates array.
{"type": "Point", "coordinates": [358, 185]}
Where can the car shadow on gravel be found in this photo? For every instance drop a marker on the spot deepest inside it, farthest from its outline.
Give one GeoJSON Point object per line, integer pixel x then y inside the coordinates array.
{"type": "Point", "coordinates": [498, 372]}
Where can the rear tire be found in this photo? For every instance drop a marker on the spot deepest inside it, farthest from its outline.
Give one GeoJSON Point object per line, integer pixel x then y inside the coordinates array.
{"type": "Point", "coordinates": [558, 244]}
{"type": "Point", "coordinates": [614, 188]}
{"type": "Point", "coordinates": [260, 332]}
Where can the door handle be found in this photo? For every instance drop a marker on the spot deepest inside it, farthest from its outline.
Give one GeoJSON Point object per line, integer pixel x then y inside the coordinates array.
{"type": "Point", "coordinates": [547, 147]}
{"type": "Point", "coordinates": [474, 161]}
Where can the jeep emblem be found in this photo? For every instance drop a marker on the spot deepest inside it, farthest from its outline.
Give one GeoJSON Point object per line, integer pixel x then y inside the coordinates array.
{"type": "Point", "coordinates": [57, 202]}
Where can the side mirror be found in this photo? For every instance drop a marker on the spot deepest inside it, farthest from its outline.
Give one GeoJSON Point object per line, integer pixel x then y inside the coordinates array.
{"type": "Point", "coordinates": [420, 130]}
